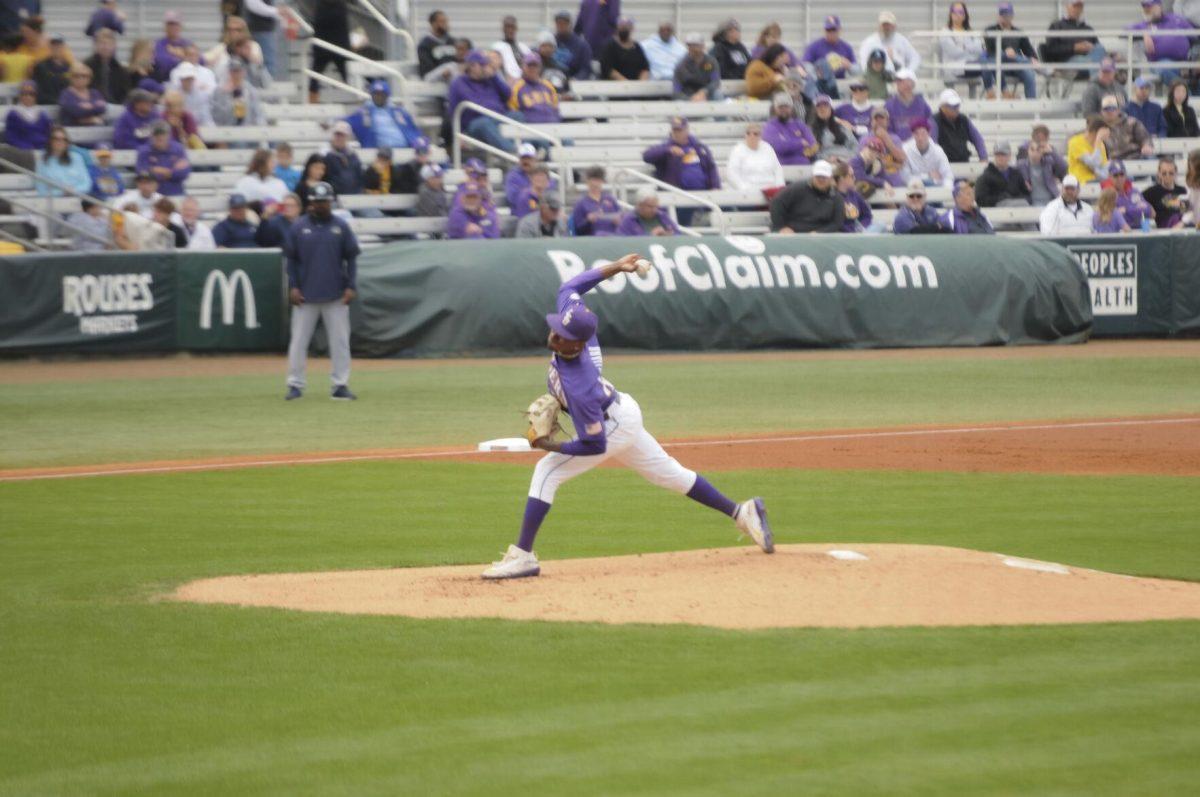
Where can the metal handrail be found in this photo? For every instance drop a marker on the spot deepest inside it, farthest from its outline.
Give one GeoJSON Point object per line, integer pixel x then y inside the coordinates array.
{"type": "Point", "coordinates": [16, 239]}
{"type": "Point", "coordinates": [66, 189]}
{"type": "Point", "coordinates": [718, 214]}
{"type": "Point", "coordinates": [337, 84]}
{"type": "Point", "coordinates": [460, 136]}
{"type": "Point", "coordinates": [386, 24]}
{"type": "Point", "coordinates": [350, 55]}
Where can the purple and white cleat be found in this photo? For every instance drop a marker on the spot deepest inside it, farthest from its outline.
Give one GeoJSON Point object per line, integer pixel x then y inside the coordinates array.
{"type": "Point", "coordinates": [751, 519]}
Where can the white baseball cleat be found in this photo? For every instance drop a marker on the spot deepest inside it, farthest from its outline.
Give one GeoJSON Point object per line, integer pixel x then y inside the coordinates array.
{"type": "Point", "coordinates": [751, 519]}
{"type": "Point", "coordinates": [517, 563]}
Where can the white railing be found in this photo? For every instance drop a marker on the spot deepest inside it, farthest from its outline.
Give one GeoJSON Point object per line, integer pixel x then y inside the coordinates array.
{"type": "Point", "coordinates": [410, 44]}
{"type": "Point", "coordinates": [716, 217]}
{"type": "Point", "coordinates": [460, 137]}
{"type": "Point", "coordinates": [54, 219]}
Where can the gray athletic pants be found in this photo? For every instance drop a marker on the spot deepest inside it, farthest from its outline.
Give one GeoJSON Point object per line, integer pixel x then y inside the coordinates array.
{"type": "Point", "coordinates": [336, 315]}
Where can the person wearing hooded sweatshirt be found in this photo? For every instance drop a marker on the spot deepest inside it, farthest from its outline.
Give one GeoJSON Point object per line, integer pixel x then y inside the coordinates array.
{"type": "Point", "coordinates": [132, 129]}
{"type": "Point", "coordinates": [730, 53]}
{"type": "Point", "coordinates": [378, 123]}
{"type": "Point", "coordinates": [792, 140]}
{"type": "Point", "coordinates": [683, 161]}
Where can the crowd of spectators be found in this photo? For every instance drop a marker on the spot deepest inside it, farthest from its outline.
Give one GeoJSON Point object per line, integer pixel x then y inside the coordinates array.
{"type": "Point", "coordinates": [885, 138]}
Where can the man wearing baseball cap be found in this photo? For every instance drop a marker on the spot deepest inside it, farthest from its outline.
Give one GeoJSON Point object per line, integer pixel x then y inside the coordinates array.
{"type": "Point", "coordinates": [107, 182]}
{"type": "Point", "coordinates": [792, 140]}
{"type": "Point", "coordinates": [683, 161]}
{"type": "Point", "coordinates": [343, 169]}
{"type": "Point", "coordinates": [1067, 215]}
{"type": "Point", "coordinates": [832, 56]}
{"type": "Point", "coordinates": [956, 132]}
{"type": "Point", "coordinates": [532, 96]}
{"type": "Point", "coordinates": [916, 217]}
{"type": "Point", "coordinates": [547, 222]}
{"type": "Point", "coordinates": [697, 75]}
{"type": "Point", "coordinates": [431, 195]}
{"type": "Point", "coordinates": [516, 182]}
{"type": "Point", "coordinates": [965, 217]}
{"type": "Point", "coordinates": [1162, 46]}
{"type": "Point", "coordinates": [897, 49]}
{"type": "Point", "coordinates": [470, 217]}
{"type": "Point", "coordinates": [858, 111]}
{"type": "Point", "coordinates": [1014, 49]}
{"type": "Point", "coordinates": [322, 268]}
{"type": "Point", "coordinates": [812, 206]}
{"type": "Point", "coordinates": [907, 106]}
{"type": "Point", "coordinates": [479, 84]}
{"type": "Point", "coordinates": [237, 230]}
{"type": "Point", "coordinates": [171, 48]}
{"type": "Point", "coordinates": [1104, 83]}
{"type": "Point", "coordinates": [1146, 110]}
{"type": "Point", "coordinates": [572, 52]}
{"type": "Point", "coordinates": [382, 123]}
{"type": "Point", "coordinates": [1002, 185]}
{"type": "Point", "coordinates": [1082, 49]}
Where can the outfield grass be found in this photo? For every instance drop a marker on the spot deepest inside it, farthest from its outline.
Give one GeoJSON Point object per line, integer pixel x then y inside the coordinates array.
{"type": "Point", "coordinates": [106, 691]}
{"type": "Point", "coordinates": [64, 423]}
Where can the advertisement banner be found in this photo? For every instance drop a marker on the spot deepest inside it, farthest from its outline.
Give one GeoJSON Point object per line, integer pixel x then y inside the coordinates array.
{"type": "Point", "coordinates": [438, 297]}
{"type": "Point", "coordinates": [1132, 280]}
{"type": "Point", "coordinates": [231, 301]}
{"type": "Point", "coordinates": [107, 301]}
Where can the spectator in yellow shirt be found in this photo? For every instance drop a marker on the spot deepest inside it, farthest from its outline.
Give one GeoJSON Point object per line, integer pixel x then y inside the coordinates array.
{"type": "Point", "coordinates": [1087, 152]}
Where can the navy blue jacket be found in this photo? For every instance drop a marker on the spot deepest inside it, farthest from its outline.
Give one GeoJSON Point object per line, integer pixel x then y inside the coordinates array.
{"type": "Point", "coordinates": [232, 234]}
{"type": "Point", "coordinates": [343, 171]}
{"type": "Point", "coordinates": [273, 232]}
{"type": "Point", "coordinates": [322, 258]}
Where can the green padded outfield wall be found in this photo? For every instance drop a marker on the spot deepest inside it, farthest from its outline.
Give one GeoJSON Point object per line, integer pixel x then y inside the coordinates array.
{"type": "Point", "coordinates": [125, 302]}
{"type": "Point", "coordinates": [442, 297]}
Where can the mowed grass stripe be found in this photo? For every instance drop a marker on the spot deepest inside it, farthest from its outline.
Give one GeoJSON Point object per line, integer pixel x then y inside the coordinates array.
{"type": "Point", "coordinates": [442, 404]}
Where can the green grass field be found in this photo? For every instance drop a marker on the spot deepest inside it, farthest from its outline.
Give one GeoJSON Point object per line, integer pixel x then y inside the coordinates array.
{"type": "Point", "coordinates": [106, 690]}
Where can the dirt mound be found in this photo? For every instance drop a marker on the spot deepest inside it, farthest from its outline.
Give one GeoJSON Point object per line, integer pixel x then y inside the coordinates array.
{"type": "Point", "coordinates": [832, 585]}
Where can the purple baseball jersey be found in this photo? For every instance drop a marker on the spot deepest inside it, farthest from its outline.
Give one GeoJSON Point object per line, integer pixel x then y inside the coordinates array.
{"type": "Point", "coordinates": [577, 383]}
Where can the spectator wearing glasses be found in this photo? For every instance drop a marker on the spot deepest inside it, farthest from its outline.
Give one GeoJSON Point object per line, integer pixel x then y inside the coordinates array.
{"type": "Point", "coordinates": [1166, 197]}
{"type": "Point", "coordinates": [916, 217]}
{"type": "Point", "coordinates": [858, 111]}
{"type": "Point", "coordinates": [26, 126]}
{"type": "Point", "coordinates": [1129, 136]}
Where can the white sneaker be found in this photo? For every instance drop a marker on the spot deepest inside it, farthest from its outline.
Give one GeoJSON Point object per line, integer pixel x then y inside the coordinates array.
{"type": "Point", "coordinates": [517, 563]}
{"type": "Point", "coordinates": [751, 519]}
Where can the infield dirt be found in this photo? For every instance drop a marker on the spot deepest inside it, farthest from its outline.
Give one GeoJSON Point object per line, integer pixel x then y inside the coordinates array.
{"type": "Point", "coordinates": [736, 588]}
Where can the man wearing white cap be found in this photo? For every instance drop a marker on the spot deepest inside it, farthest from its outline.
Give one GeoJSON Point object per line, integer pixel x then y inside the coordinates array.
{"type": "Point", "coordinates": [898, 49]}
{"type": "Point", "coordinates": [697, 75]}
{"type": "Point", "coordinates": [1067, 215]}
{"type": "Point", "coordinates": [196, 101]}
{"type": "Point", "coordinates": [809, 207]}
{"type": "Point", "coordinates": [956, 131]}
{"type": "Point", "coordinates": [907, 106]}
{"type": "Point", "coordinates": [516, 182]}
{"type": "Point", "coordinates": [431, 196]}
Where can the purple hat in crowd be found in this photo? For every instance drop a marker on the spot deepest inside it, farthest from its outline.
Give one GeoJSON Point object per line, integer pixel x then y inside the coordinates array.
{"type": "Point", "coordinates": [577, 323]}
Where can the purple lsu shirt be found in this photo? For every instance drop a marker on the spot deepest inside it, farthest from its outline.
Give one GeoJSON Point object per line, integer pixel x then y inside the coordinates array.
{"type": "Point", "coordinates": [577, 383]}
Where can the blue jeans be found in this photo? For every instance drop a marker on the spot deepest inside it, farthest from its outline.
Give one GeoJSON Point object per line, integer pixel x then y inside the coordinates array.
{"type": "Point", "coordinates": [1026, 76]}
{"type": "Point", "coordinates": [487, 130]}
{"type": "Point", "coordinates": [826, 78]}
{"type": "Point", "coordinates": [266, 42]}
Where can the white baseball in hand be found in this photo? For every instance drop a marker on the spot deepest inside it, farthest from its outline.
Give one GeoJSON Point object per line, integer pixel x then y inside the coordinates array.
{"type": "Point", "coordinates": [643, 266]}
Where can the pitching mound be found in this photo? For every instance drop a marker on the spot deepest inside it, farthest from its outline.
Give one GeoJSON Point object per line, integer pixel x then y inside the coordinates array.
{"type": "Point", "coordinates": [835, 585]}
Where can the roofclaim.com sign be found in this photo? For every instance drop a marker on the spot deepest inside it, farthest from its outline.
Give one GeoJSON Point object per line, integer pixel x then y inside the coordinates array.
{"type": "Point", "coordinates": [1111, 270]}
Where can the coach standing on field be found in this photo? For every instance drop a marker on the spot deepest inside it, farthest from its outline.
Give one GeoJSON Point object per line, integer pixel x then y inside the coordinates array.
{"type": "Point", "coordinates": [322, 255]}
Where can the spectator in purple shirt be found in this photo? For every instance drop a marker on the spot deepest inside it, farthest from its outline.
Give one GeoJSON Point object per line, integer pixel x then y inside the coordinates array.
{"type": "Point", "coordinates": [471, 218]}
{"type": "Point", "coordinates": [533, 96]}
{"type": "Point", "coordinates": [1108, 218]}
{"type": "Point", "coordinates": [166, 159]}
{"type": "Point", "coordinates": [858, 111]}
{"type": "Point", "coordinates": [683, 161]}
{"type": "Point", "coordinates": [1163, 46]}
{"type": "Point", "coordinates": [531, 197]}
{"type": "Point", "coordinates": [132, 129]}
{"type": "Point", "coordinates": [906, 105]}
{"type": "Point", "coordinates": [791, 139]}
{"type": "Point", "coordinates": [596, 212]}
{"type": "Point", "coordinates": [79, 105]}
{"type": "Point", "coordinates": [858, 216]}
{"type": "Point", "coordinates": [832, 57]}
{"type": "Point", "coordinates": [482, 86]}
{"type": "Point", "coordinates": [597, 21]}
{"type": "Point", "coordinates": [647, 218]}
{"type": "Point", "coordinates": [26, 126]}
{"type": "Point", "coordinates": [171, 48]}
{"type": "Point", "coordinates": [106, 16]}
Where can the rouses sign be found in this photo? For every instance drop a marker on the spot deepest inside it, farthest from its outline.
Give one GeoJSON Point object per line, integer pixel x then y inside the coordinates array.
{"type": "Point", "coordinates": [1112, 273]}
{"type": "Point", "coordinates": [107, 304]}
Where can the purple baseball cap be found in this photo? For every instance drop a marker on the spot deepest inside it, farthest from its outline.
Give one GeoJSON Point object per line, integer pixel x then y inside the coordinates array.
{"type": "Point", "coordinates": [577, 323]}
{"type": "Point", "coordinates": [1151, 3]}
{"type": "Point", "coordinates": [531, 58]}
{"type": "Point", "coordinates": [919, 124]}
{"type": "Point", "coordinates": [1108, 65]}
{"type": "Point", "coordinates": [477, 57]}
{"type": "Point", "coordinates": [474, 166]}
{"type": "Point", "coordinates": [1116, 167]}
{"type": "Point", "coordinates": [421, 144]}
{"type": "Point", "coordinates": [823, 99]}
{"type": "Point", "coordinates": [1006, 9]}
{"type": "Point", "coordinates": [833, 22]}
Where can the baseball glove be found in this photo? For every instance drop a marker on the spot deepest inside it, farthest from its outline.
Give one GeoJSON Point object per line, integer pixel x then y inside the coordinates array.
{"type": "Point", "coordinates": [543, 418]}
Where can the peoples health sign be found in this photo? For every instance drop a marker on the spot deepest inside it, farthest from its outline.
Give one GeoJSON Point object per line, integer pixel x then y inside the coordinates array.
{"type": "Point", "coordinates": [1112, 274]}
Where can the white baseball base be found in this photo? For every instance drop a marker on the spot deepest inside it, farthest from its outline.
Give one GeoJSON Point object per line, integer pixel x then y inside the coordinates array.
{"type": "Point", "coordinates": [506, 444]}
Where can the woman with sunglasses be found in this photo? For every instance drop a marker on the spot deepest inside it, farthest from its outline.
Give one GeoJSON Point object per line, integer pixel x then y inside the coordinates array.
{"type": "Point", "coordinates": [80, 105]}
{"type": "Point", "coordinates": [27, 126]}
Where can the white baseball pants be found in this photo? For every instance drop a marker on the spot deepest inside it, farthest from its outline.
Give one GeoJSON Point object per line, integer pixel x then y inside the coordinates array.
{"type": "Point", "coordinates": [336, 315]}
{"type": "Point", "coordinates": [629, 443]}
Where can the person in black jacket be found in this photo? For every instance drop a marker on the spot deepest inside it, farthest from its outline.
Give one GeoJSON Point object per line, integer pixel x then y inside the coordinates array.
{"type": "Point", "coordinates": [109, 76]}
{"type": "Point", "coordinates": [50, 74]}
{"type": "Point", "coordinates": [809, 207]}
{"type": "Point", "coordinates": [332, 22]}
{"type": "Point", "coordinates": [1001, 184]}
{"type": "Point", "coordinates": [437, 48]}
{"type": "Point", "coordinates": [731, 55]}
{"type": "Point", "coordinates": [1181, 119]}
{"type": "Point", "coordinates": [1016, 49]}
{"type": "Point", "coordinates": [1063, 49]}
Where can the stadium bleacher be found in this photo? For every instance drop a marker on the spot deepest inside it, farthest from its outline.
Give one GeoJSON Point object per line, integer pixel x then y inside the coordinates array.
{"type": "Point", "coordinates": [607, 123]}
